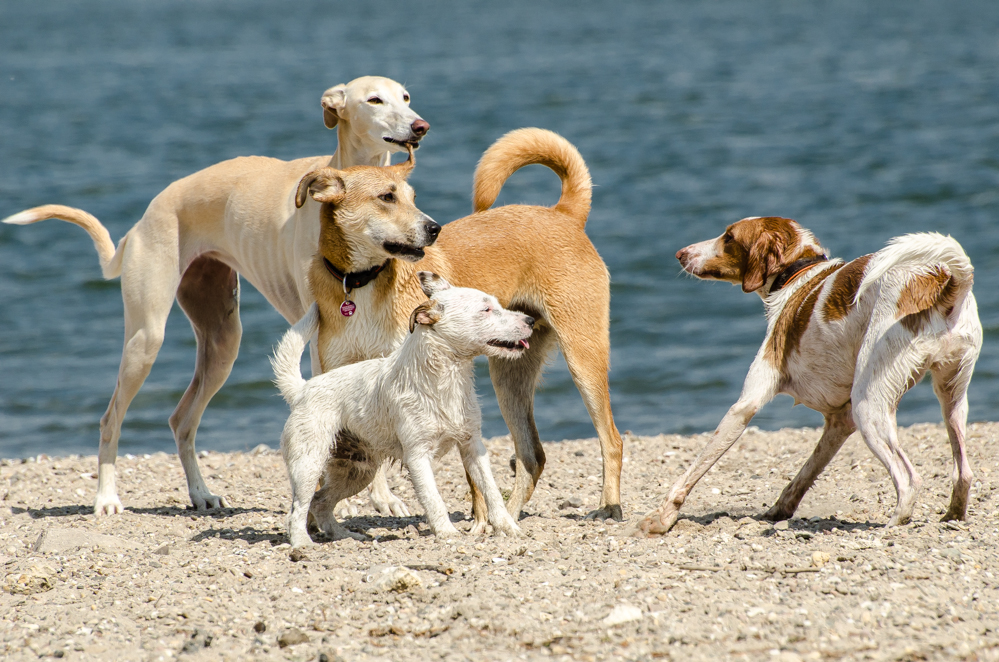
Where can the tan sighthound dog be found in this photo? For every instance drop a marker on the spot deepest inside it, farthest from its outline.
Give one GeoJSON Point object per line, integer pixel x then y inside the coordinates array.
{"type": "Point", "coordinates": [238, 216]}
{"type": "Point", "coordinates": [537, 260]}
{"type": "Point", "coordinates": [847, 340]}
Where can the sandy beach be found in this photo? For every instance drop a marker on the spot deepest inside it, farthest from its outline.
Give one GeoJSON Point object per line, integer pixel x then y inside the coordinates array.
{"type": "Point", "coordinates": [162, 582]}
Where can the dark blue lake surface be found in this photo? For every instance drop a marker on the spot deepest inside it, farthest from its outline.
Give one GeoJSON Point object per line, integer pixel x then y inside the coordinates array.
{"type": "Point", "coordinates": [861, 120]}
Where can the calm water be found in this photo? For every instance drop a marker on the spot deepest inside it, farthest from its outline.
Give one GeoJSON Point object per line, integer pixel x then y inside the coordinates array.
{"type": "Point", "coordinates": [861, 120]}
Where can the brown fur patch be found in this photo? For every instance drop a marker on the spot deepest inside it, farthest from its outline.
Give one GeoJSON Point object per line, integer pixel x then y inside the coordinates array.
{"type": "Point", "coordinates": [839, 303]}
{"type": "Point", "coordinates": [793, 319]}
{"type": "Point", "coordinates": [924, 293]}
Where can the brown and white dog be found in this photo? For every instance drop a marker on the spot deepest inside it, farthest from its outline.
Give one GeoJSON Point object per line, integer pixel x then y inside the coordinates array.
{"type": "Point", "coordinates": [536, 260]}
{"type": "Point", "coordinates": [235, 217]}
{"type": "Point", "coordinates": [846, 339]}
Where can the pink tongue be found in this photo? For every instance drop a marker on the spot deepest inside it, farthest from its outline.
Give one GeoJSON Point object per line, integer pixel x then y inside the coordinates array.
{"type": "Point", "coordinates": [524, 343]}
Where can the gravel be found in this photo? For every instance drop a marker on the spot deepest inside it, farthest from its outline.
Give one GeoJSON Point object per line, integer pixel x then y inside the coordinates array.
{"type": "Point", "coordinates": [161, 582]}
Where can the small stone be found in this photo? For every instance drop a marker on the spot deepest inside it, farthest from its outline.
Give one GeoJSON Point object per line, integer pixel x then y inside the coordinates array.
{"type": "Point", "coordinates": [260, 449]}
{"type": "Point", "coordinates": [623, 613]}
{"type": "Point", "coordinates": [292, 637]}
{"type": "Point", "coordinates": [579, 453]}
{"type": "Point", "coordinates": [781, 525]}
{"type": "Point", "coordinates": [571, 502]}
{"type": "Point", "coordinates": [297, 555]}
{"type": "Point", "coordinates": [163, 550]}
{"type": "Point", "coordinates": [61, 540]}
{"type": "Point", "coordinates": [397, 579]}
{"type": "Point", "coordinates": [37, 578]}
{"type": "Point", "coordinates": [260, 627]}
{"type": "Point", "coordinates": [819, 559]}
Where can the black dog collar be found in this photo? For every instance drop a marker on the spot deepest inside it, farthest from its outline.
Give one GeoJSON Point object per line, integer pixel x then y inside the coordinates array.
{"type": "Point", "coordinates": [796, 268]}
{"type": "Point", "coordinates": [356, 279]}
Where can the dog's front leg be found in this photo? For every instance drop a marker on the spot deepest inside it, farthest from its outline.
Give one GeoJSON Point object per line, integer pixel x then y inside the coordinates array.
{"type": "Point", "coordinates": [422, 474]}
{"type": "Point", "coordinates": [729, 430]}
{"type": "Point", "coordinates": [476, 460]}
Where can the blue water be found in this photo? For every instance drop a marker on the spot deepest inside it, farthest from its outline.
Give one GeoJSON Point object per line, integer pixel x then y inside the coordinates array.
{"type": "Point", "coordinates": [861, 120]}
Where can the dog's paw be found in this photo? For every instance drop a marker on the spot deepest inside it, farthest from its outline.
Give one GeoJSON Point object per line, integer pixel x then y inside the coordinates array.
{"type": "Point", "coordinates": [107, 504]}
{"type": "Point", "coordinates": [445, 529]}
{"type": "Point", "coordinates": [340, 532]}
{"type": "Point", "coordinates": [208, 501]}
{"type": "Point", "coordinates": [508, 528]}
{"type": "Point", "coordinates": [478, 528]}
{"type": "Point", "coordinates": [388, 504]}
{"type": "Point", "coordinates": [613, 512]}
{"type": "Point", "coordinates": [346, 509]}
{"type": "Point", "coordinates": [653, 524]}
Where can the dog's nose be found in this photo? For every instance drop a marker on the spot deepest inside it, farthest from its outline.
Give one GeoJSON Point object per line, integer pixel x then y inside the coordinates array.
{"type": "Point", "coordinates": [419, 127]}
{"type": "Point", "coordinates": [680, 253]}
{"type": "Point", "coordinates": [529, 321]}
{"type": "Point", "coordinates": [431, 227]}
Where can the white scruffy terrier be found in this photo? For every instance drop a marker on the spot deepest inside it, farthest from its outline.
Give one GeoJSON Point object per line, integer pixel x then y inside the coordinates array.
{"type": "Point", "coordinates": [412, 405]}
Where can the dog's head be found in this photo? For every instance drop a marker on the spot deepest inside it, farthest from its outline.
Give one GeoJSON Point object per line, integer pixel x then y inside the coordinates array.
{"type": "Point", "coordinates": [377, 109]}
{"type": "Point", "coordinates": [368, 214]}
{"type": "Point", "coordinates": [469, 321]}
{"type": "Point", "coordinates": [750, 252]}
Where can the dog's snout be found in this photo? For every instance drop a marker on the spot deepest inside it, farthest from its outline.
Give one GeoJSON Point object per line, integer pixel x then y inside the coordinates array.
{"type": "Point", "coordinates": [419, 127]}
{"type": "Point", "coordinates": [681, 253]}
{"type": "Point", "coordinates": [432, 228]}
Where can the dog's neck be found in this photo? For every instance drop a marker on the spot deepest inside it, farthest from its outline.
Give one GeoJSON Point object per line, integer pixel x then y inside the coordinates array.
{"type": "Point", "coordinates": [354, 150]}
{"type": "Point", "coordinates": [428, 364]}
{"type": "Point", "coordinates": [794, 270]}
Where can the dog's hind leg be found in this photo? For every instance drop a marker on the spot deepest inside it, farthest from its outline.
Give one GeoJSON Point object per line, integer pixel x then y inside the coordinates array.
{"type": "Point", "coordinates": [342, 480]}
{"type": "Point", "coordinates": [584, 338]}
{"type": "Point", "coordinates": [147, 298]}
{"type": "Point", "coordinates": [950, 383]}
{"type": "Point", "coordinates": [839, 426]}
{"type": "Point", "coordinates": [514, 382]}
{"type": "Point", "coordinates": [480, 511]}
{"type": "Point", "coordinates": [209, 295]}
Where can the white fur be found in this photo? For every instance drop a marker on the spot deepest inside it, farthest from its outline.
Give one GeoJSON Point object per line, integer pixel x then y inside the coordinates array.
{"type": "Point", "coordinates": [412, 405]}
{"type": "Point", "coordinates": [240, 215]}
{"type": "Point", "coordinates": [855, 369]}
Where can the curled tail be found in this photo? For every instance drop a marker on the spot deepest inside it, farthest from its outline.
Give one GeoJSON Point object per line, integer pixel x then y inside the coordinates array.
{"type": "Point", "coordinates": [933, 272]}
{"type": "Point", "coordinates": [287, 359]}
{"type": "Point", "coordinates": [526, 147]}
{"type": "Point", "coordinates": [110, 258]}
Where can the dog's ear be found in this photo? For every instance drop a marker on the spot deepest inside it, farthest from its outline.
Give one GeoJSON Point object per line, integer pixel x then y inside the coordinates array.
{"type": "Point", "coordinates": [427, 313]}
{"type": "Point", "coordinates": [766, 258]}
{"type": "Point", "coordinates": [334, 101]}
{"type": "Point", "coordinates": [324, 185]}
{"type": "Point", "coordinates": [431, 283]}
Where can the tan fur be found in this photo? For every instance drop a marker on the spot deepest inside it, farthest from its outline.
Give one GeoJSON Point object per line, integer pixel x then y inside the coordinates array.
{"type": "Point", "coordinates": [238, 216]}
{"type": "Point", "coordinates": [922, 294]}
{"type": "Point", "coordinates": [534, 259]}
{"type": "Point", "coordinates": [840, 300]}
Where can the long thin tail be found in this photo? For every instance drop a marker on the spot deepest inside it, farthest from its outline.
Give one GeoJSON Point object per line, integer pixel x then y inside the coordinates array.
{"type": "Point", "coordinates": [287, 359]}
{"type": "Point", "coordinates": [110, 258]}
{"type": "Point", "coordinates": [526, 147]}
{"type": "Point", "coordinates": [922, 253]}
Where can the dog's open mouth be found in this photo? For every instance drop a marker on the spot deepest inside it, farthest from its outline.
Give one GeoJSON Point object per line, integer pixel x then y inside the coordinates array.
{"type": "Point", "coordinates": [414, 143]}
{"type": "Point", "coordinates": [515, 345]}
{"type": "Point", "coordinates": [403, 250]}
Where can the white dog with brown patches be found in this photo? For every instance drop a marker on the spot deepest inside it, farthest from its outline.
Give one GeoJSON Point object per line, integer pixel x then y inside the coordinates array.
{"type": "Point", "coordinates": [413, 405]}
{"type": "Point", "coordinates": [847, 340]}
{"type": "Point", "coordinates": [236, 217]}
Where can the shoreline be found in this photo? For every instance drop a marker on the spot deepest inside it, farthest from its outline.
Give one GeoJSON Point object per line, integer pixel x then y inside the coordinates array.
{"type": "Point", "coordinates": [160, 582]}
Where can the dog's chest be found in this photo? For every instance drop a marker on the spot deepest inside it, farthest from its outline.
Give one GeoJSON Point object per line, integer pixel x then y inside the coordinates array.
{"type": "Point", "coordinates": [368, 334]}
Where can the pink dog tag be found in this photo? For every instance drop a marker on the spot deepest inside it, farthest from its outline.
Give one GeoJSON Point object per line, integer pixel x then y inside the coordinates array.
{"type": "Point", "coordinates": [347, 308]}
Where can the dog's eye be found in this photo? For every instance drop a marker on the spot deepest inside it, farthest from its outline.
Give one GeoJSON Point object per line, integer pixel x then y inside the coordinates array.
{"type": "Point", "coordinates": [387, 197]}
{"type": "Point", "coordinates": [375, 100]}
{"type": "Point", "coordinates": [405, 97]}
{"type": "Point", "coordinates": [728, 239]}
